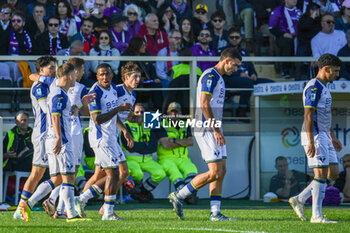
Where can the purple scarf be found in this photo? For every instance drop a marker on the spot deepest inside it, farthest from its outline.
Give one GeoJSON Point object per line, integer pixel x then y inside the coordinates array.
{"type": "Point", "coordinates": [14, 46]}
{"type": "Point", "coordinates": [134, 30]}
{"type": "Point", "coordinates": [65, 27]}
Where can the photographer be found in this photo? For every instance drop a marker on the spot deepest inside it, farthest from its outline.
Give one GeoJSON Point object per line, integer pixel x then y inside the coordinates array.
{"type": "Point", "coordinates": [17, 145]}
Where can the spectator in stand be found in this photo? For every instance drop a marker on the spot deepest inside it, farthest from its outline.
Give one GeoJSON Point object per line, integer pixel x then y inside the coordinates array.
{"type": "Point", "coordinates": [327, 40]}
{"type": "Point", "coordinates": [180, 76]}
{"type": "Point", "coordinates": [49, 8]}
{"type": "Point", "coordinates": [287, 183]}
{"type": "Point", "coordinates": [163, 67]}
{"type": "Point", "coordinates": [186, 30]}
{"type": "Point", "coordinates": [101, 22]}
{"type": "Point", "coordinates": [155, 38]}
{"type": "Point", "coordinates": [111, 9]}
{"type": "Point", "coordinates": [86, 35]}
{"type": "Point", "coordinates": [181, 9]}
{"type": "Point", "coordinates": [17, 40]}
{"type": "Point", "coordinates": [343, 182]}
{"type": "Point", "coordinates": [52, 41]}
{"type": "Point", "coordinates": [149, 79]}
{"type": "Point", "coordinates": [219, 35]}
{"type": "Point", "coordinates": [36, 24]}
{"type": "Point", "coordinates": [245, 76]}
{"type": "Point", "coordinates": [263, 9]}
{"type": "Point", "coordinates": [202, 49]}
{"type": "Point", "coordinates": [326, 6]}
{"type": "Point", "coordinates": [76, 48]}
{"type": "Point", "coordinates": [119, 31]}
{"type": "Point", "coordinates": [283, 25]}
{"type": "Point", "coordinates": [345, 52]}
{"type": "Point", "coordinates": [17, 145]}
{"type": "Point", "coordinates": [342, 22]}
{"type": "Point", "coordinates": [246, 13]}
{"type": "Point", "coordinates": [18, 5]}
{"type": "Point", "coordinates": [68, 25]}
{"type": "Point", "coordinates": [78, 12]}
{"type": "Point", "coordinates": [104, 47]}
{"type": "Point", "coordinates": [5, 16]}
{"type": "Point", "coordinates": [309, 25]}
{"type": "Point", "coordinates": [200, 20]}
{"type": "Point", "coordinates": [134, 19]}
{"type": "Point", "coordinates": [167, 18]}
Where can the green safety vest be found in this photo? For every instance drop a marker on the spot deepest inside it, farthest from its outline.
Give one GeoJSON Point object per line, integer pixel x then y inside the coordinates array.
{"type": "Point", "coordinates": [11, 136]}
{"type": "Point", "coordinates": [139, 134]}
{"type": "Point", "coordinates": [183, 69]}
{"type": "Point", "coordinates": [179, 152]}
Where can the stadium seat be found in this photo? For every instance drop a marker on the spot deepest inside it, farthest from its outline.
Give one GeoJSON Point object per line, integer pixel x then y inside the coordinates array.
{"type": "Point", "coordinates": [18, 175]}
{"type": "Point", "coordinates": [7, 98]}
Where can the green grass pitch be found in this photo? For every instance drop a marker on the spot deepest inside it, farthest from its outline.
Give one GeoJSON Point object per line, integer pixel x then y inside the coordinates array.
{"type": "Point", "coordinates": [252, 216]}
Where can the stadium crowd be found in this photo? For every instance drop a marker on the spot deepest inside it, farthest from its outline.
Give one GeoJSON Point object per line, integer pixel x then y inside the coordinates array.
{"type": "Point", "coordinates": [161, 28]}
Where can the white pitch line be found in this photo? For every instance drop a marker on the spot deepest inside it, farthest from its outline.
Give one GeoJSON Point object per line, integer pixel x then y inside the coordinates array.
{"type": "Point", "coordinates": [205, 229]}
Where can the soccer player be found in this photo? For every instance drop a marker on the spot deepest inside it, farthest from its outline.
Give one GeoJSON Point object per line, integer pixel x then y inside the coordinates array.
{"type": "Point", "coordinates": [79, 100]}
{"type": "Point", "coordinates": [318, 139]}
{"type": "Point", "coordinates": [46, 67]}
{"type": "Point", "coordinates": [102, 135]}
{"type": "Point", "coordinates": [58, 143]}
{"type": "Point", "coordinates": [211, 141]}
{"type": "Point", "coordinates": [131, 75]}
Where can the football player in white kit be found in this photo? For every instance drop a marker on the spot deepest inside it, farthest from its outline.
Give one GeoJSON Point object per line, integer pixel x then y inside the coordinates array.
{"type": "Point", "coordinates": [211, 141]}
{"type": "Point", "coordinates": [46, 66]}
{"type": "Point", "coordinates": [79, 98]}
{"type": "Point", "coordinates": [103, 138]}
{"type": "Point", "coordinates": [318, 139]}
{"type": "Point", "coordinates": [131, 75]}
{"type": "Point", "coordinates": [58, 143]}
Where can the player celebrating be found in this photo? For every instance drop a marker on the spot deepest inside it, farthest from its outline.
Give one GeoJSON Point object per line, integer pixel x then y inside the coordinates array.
{"type": "Point", "coordinates": [318, 139]}
{"type": "Point", "coordinates": [46, 66]}
{"type": "Point", "coordinates": [103, 137]}
{"type": "Point", "coordinates": [79, 100]}
{"type": "Point", "coordinates": [211, 141]}
{"type": "Point", "coordinates": [58, 142]}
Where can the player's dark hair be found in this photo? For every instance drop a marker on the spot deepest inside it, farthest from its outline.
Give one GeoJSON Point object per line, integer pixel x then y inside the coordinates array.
{"type": "Point", "coordinates": [232, 53]}
{"type": "Point", "coordinates": [76, 62]}
{"type": "Point", "coordinates": [44, 61]}
{"type": "Point", "coordinates": [64, 70]}
{"type": "Point", "coordinates": [128, 68]}
{"type": "Point", "coordinates": [328, 60]}
{"type": "Point", "coordinates": [280, 158]}
{"type": "Point", "coordinates": [104, 65]}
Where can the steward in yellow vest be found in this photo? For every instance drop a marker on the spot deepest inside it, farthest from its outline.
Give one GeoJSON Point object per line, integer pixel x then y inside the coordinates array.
{"type": "Point", "coordinates": [174, 157]}
{"type": "Point", "coordinates": [139, 157]}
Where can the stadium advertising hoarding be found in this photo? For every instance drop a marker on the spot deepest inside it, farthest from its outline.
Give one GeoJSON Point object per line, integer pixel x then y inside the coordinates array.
{"type": "Point", "coordinates": [280, 120]}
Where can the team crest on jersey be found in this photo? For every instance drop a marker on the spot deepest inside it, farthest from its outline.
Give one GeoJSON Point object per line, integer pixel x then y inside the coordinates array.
{"type": "Point", "coordinates": [93, 103]}
{"type": "Point", "coordinates": [209, 82]}
{"type": "Point", "coordinates": [313, 96]}
{"type": "Point", "coordinates": [59, 105]}
{"type": "Point", "coordinates": [38, 92]}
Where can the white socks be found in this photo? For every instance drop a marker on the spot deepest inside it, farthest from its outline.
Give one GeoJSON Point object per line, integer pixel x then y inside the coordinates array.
{"type": "Point", "coordinates": [43, 189]}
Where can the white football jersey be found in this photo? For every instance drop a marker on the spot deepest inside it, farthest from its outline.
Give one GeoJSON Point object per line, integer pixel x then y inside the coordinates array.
{"type": "Point", "coordinates": [75, 94]}
{"type": "Point", "coordinates": [317, 96]}
{"type": "Point", "coordinates": [59, 104]}
{"type": "Point", "coordinates": [105, 101]}
{"type": "Point", "coordinates": [213, 84]}
{"type": "Point", "coordinates": [124, 96]}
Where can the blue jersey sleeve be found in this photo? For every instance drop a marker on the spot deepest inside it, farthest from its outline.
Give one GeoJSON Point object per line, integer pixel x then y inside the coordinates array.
{"type": "Point", "coordinates": [40, 91]}
{"type": "Point", "coordinates": [83, 92]}
{"type": "Point", "coordinates": [46, 79]}
{"type": "Point", "coordinates": [59, 102]}
{"type": "Point", "coordinates": [95, 106]}
{"type": "Point", "coordinates": [312, 96]}
{"type": "Point", "coordinates": [208, 84]}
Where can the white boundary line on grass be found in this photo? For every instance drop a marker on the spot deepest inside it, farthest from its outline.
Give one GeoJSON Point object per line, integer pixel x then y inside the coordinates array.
{"type": "Point", "coordinates": [204, 229]}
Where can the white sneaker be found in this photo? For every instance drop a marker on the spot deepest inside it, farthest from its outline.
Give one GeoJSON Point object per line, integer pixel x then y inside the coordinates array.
{"type": "Point", "coordinates": [79, 207]}
{"type": "Point", "coordinates": [17, 214]}
{"type": "Point", "coordinates": [298, 207]}
{"type": "Point", "coordinates": [111, 217]}
{"type": "Point", "coordinates": [322, 219]}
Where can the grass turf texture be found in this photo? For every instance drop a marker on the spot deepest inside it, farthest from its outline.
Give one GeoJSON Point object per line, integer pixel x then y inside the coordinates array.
{"type": "Point", "coordinates": [252, 216]}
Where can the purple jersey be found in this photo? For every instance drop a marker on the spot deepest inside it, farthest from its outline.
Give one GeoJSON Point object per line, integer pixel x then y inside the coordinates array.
{"type": "Point", "coordinates": [279, 20]}
{"type": "Point", "coordinates": [197, 51]}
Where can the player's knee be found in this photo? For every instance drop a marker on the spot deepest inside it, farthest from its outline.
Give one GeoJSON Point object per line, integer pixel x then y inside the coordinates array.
{"type": "Point", "coordinates": [212, 176]}
{"type": "Point", "coordinates": [137, 175]}
{"type": "Point", "coordinates": [158, 176]}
